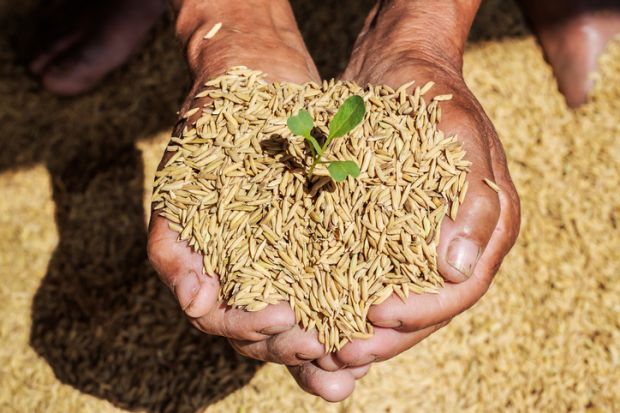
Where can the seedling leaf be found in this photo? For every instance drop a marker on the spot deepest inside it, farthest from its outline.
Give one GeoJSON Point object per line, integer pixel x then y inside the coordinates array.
{"type": "Point", "coordinates": [339, 170]}
{"type": "Point", "coordinates": [302, 125]}
{"type": "Point", "coordinates": [348, 117]}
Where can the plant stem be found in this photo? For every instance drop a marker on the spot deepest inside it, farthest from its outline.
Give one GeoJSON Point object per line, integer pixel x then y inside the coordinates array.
{"type": "Point", "coordinates": [311, 170]}
{"type": "Point", "coordinates": [317, 160]}
{"type": "Point", "coordinates": [318, 156]}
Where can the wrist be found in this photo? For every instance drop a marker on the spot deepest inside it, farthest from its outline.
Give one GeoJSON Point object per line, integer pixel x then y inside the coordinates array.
{"type": "Point", "coordinates": [435, 30]}
{"type": "Point", "coordinates": [193, 16]}
{"type": "Point", "coordinates": [242, 20]}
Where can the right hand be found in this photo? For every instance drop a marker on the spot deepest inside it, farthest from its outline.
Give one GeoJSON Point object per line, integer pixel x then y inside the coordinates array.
{"type": "Point", "coordinates": [272, 333]}
{"type": "Point", "coordinates": [471, 247]}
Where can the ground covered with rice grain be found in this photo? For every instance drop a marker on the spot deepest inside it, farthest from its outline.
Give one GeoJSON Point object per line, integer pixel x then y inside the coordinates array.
{"type": "Point", "coordinates": [86, 326]}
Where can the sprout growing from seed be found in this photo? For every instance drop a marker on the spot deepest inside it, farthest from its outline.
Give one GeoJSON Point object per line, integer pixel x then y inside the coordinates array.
{"type": "Point", "coordinates": [350, 114]}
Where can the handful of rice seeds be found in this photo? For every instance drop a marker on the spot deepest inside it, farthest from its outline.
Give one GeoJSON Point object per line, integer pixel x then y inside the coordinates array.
{"type": "Point", "coordinates": [236, 190]}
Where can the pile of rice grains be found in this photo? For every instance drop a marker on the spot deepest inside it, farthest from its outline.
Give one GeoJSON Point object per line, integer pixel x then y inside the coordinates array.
{"type": "Point", "coordinates": [236, 189]}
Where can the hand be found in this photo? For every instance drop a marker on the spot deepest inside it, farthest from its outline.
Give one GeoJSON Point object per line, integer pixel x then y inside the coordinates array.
{"type": "Point", "coordinates": [471, 248]}
{"type": "Point", "coordinates": [270, 334]}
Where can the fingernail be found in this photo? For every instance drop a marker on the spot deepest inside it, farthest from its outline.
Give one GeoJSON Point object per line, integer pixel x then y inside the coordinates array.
{"type": "Point", "coordinates": [271, 330]}
{"type": "Point", "coordinates": [463, 255]}
{"type": "Point", "coordinates": [186, 289]}
{"type": "Point", "coordinates": [303, 356]}
{"type": "Point", "coordinates": [388, 323]}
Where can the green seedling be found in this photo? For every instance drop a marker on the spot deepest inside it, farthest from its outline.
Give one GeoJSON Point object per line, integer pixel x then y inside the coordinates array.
{"type": "Point", "coordinates": [350, 114]}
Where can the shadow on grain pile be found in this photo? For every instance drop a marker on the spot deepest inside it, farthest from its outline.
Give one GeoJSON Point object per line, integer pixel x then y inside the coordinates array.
{"type": "Point", "coordinates": [100, 317]}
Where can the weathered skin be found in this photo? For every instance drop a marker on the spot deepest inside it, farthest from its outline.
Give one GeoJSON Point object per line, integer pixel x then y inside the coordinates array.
{"type": "Point", "coordinates": [391, 50]}
{"type": "Point", "coordinates": [488, 221]}
{"type": "Point", "coordinates": [472, 248]}
{"type": "Point", "coordinates": [277, 49]}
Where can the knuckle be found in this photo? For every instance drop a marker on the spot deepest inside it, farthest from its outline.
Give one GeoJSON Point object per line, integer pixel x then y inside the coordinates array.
{"type": "Point", "coordinates": [239, 348]}
{"type": "Point", "coordinates": [206, 325]}
{"type": "Point", "coordinates": [295, 362]}
{"type": "Point", "coordinates": [275, 354]}
{"type": "Point", "coordinates": [228, 328]}
{"type": "Point", "coordinates": [187, 310]}
{"type": "Point", "coordinates": [192, 44]}
{"type": "Point", "coordinates": [279, 352]}
{"type": "Point", "coordinates": [235, 326]}
{"type": "Point", "coordinates": [328, 365]}
{"type": "Point", "coordinates": [508, 229]}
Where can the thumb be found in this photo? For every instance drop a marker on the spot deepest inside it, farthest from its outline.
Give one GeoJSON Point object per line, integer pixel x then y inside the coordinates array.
{"type": "Point", "coordinates": [463, 241]}
{"type": "Point", "coordinates": [180, 269]}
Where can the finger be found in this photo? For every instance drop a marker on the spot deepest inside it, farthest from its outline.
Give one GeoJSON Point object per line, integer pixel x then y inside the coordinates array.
{"type": "Point", "coordinates": [296, 344]}
{"type": "Point", "coordinates": [510, 204]}
{"type": "Point", "coordinates": [256, 350]}
{"type": "Point", "coordinates": [462, 241]}
{"type": "Point", "coordinates": [359, 372]}
{"type": "Point", "coordinates": [293, 347]}
{"type": "Point", "coordinates": [423, 310]}
{"type": "Point", "coordinates": [330, 362]}
{"type": "Point", "coordinates": [180, 269]}
{"type": "Point", "coordinates": [245, 325]}
{"type": "Point", "coordinates": [383, 345]}
{"type": "Point", "coordinates": [504, 235]}
{"type": "Point", "coordinates": [331, 386]}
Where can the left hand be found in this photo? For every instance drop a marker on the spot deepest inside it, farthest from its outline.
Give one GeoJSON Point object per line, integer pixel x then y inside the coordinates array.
{"type": "Point", "coordinates": [471, 248]}
{"type": "Point", "coordinates": [262, 35]}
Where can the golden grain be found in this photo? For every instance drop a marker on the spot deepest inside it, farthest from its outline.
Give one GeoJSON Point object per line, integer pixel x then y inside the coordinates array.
{"type": "Point", "coordinates": [235, 189]}
{"type": "Point", "coordinates": [492, 184]}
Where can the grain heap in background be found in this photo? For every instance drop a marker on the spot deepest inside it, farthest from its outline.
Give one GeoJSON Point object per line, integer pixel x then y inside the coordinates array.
{"type": "Point", "coordinates": [87, 327]}
{"type": "Point", "coordinates": [236, 189]}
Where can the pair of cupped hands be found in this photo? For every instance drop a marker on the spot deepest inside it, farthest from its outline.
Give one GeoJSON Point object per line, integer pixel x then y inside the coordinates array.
{"type": "Point", "coordinates": [470, 250]}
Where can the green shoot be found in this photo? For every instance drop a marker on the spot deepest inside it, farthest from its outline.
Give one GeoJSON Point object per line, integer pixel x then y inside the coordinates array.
{"type": "Point", "coordinates": [302, 125]}
{"type": "Point", "coordinates": [350, 114]}
{"type": "Point", "coordinates": [339, 170]}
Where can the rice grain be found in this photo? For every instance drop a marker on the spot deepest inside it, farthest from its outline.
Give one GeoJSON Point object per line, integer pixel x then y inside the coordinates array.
{"type": "Point", "coordinates": [235, 189]}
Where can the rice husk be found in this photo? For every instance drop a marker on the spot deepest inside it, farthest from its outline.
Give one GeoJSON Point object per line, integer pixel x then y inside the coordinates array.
{"type": "Point", "coordinates": [236, 189]}
{"type": "Point", "coordinates": [86, 326]}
